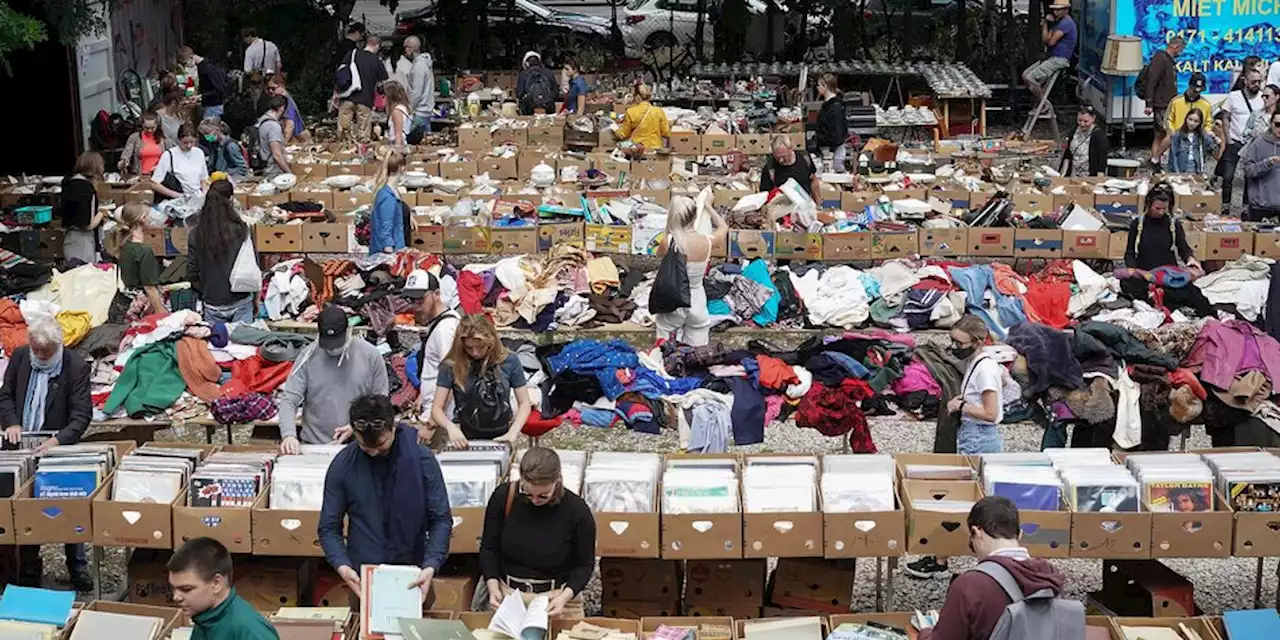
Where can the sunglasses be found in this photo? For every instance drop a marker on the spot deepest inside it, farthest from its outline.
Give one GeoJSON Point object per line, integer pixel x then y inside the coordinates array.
{"type": "Point", "coordinates": [545, 495]}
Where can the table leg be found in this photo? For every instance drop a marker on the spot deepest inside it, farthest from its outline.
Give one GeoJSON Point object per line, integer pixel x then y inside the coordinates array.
{"type": "Point", "coordinates": [96, 567]}
{"type": "Point", "coordinates": [893, 571]}
{"type": "Point", "coordinates": [1257, 584]}
{"type": "Point", "coordinates": [946, 118]}
{"type": "Point", "coordinates": [982, 118]}
{"type": "Point", "coordinates": [209, 429]}
{"type": "Point", "coordinates": [229, 434]}
{"type": "Point", "coordinates": [880, 584]}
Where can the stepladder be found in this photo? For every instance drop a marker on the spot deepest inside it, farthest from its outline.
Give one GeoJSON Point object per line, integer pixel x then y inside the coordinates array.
{"type": "Point", "coordinates": [1044, 109]}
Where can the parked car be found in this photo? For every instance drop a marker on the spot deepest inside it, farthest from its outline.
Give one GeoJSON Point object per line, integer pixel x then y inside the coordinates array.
{"type": "Point", "coordinates": [649, 25]}
{"type": "Point", "coordinates": [519, 27]}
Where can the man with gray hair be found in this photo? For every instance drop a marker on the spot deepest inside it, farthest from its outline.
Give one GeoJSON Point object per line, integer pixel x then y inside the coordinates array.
{"type": "Point", "coordinates": [422, 90]}
{"type": "Point", "coordinates": [46, 390]}
{"type": "Point", "coordinates": [787, 164]}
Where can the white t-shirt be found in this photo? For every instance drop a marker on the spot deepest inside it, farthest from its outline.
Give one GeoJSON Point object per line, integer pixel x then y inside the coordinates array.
{"type": "Point", "coordinates": [262, 55]}
{"type": "Point", "coordinates": [984, 375]}
{"type": "Point", "coordinates": [188, 166]}
{"type": "Point", "coordinates": [434, 351]}
{"type": "Point", "coordinates": [1273, 74]}
{"type": "Point", "coordinates": [1240, 110]}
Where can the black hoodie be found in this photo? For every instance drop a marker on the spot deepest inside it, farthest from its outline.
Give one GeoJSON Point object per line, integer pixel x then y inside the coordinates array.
{"type": "Point", "coordinates": [833, 127]}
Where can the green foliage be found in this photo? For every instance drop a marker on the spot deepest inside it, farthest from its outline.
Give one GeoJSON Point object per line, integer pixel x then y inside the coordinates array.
{"type": "Point", "coordinates": [18, 32]}
{"type": "Point", "coordinates": [73, 20]}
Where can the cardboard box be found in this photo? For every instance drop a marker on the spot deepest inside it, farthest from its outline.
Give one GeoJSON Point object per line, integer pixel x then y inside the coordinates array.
{"type": "Point", "coordinates": [830, 196]}
{"type": "Point", "coordinates": [429, 167]}
{"type": "Point", "coordinates": [1037, 243]}
{"type": "Point", "coordinates": [1257, 534]}
{"type": "Point", "coordinates": [944, 242]}
{"type": "Point", "coordinates": [1145, 588]}
{"type": "Point", "coordinates": [1208, 628]}
{"type": "Point", "coordinates": [268, 201]}
{"type": "Point", "coordinates": [270, 583]}
{"type": "Point", "coordinates": [717, 143]}
{"type": "Point", "coordinates": [776, 612]}
{"type": "Point", "coordinates": [652, 168]}
{"type": "Point", "coordinates": [1086, 244]}
{"type": "Point", "coordinates": [513, 241]}
{"type": "Point", "coordinates": [45, 521]}
{"type": "Point", "coordinates": [278, 238]}
{"type": "Point", "coordinates": [478, 620]}
{"type": "Point", "coordinates": [934, 532]}
{"type": "Point", "coordinates": [606, 141]}
{"type": "Point", "coordinates": [818, 585]}
{"type": "Point", "coordinates": [702, 536]}
{"type": "Point", "coordinates": [607, 163]}
{"type": "Point", "coordinates": [157, 240]}
{"type": "Point", "coordinates": [625, 626]}
{"type": "Point", "coordinates": [658, 196]}
{"type": "Point", "coordinates": [953, 198]}
{"type": "Point", "coordinates": [1219, 245]}
{"type": "Point", "coordinates": [601, 238]}
{"type": "Point", "coordinates": [459, 170]}
{"type": "Point", "coordinates": [636, 609]}
{"type": "Point", "coordinates": [900, 620]}
{"type": "Point", "coordinates": [322, 198]}
{"type": "Point", "coordinates": [1193, 535]}
{"type": "Point", "coordinates": [171, 617]}
{"type": "Point", "coordinates": [474, 138]}
{"type": "Point", "coordinates": [856, 200]}
{"type": "Point", "coordinates": [436, 199]}
{"type": "Point", "coordinates": [735, 610]}
{"type": "Point", "coordinates": [651, 624]}
{"type": "Point", "coordinates": [640, 579]}
{"type": "Point", "coordinates": [285, 532]}
{"type": "Point", "coordinates": [468, 525]}
{"type": "Point", "coordinates": [751, 244]}
{"type": "Point", "coordinates": [726, 581]}
{"type": "Point", "coordinates": [498, 168]}
{"type": "Point", "coordinates": [864, 535]}
{"type": "Point", "coordinates": [797, 246]}
{"type": "Point", "coordinates": [728, 197]}
{"type": "Point", "coordinates": [1117, 245]}
{"type": "Point", "coordinates": [133, 524]}
{"type": "Point", "coordinates": [1033, 202]}
{"type": "Point", "coordinates": [328, 589]}
{"type": "Point", "coordinates": [685, 143]}
{"type": "Point", "coordinates": [427, 238]}
{"type": "Point", "coordinates": [453, 593]}
{"type": "Point", "coordinates": [887, 246]}
{"type": "Point", "coordinates": [1123, 203]}
{"type": "Point", "coordinates": [754, 144]}
{"type": "Point", "coordinates": [628, 535]}
{"type": "Point", "coordinates": [1200, 203]}
{"type": "Point", "coordinates": [518, 136]}
{"type": "Point", "coordinates": [1079, 196]}
{"type": "Point", "coordinates": [838, 247]}
{"type": "Point", "coordinates": [8, 535]}
{"type": "Point", "coordinates": [555, 233]}
{"type": "Point", "coordinates": [232, 526]}
{"type": "Point", "coordinates": [323, 237]}
{"type": "Point", "coordinates": [1110, 535]}
{"type": "Point", "coordinates": [148, 577]}
{"type": "Point", "coordinates": [549, 136]}
{"type": "Point", "coordinates": [348, 201]}
{"type": "Point", "coordinates": [466, 240]}
{"type": "Point", "coordinates": [782, 535]}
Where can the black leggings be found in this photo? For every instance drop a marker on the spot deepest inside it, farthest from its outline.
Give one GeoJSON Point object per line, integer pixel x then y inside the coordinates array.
{"type": "Point", "coordinates": [1188, 296]}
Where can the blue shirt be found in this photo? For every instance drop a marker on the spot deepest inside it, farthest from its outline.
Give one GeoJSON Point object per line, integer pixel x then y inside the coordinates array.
{"type": "Point", "coordinates": [386, 227]}
{"type": "Point", "coordinates": [1066, 46]}
{"type": "Point", "coordinates": [352, 490]}
{"type": "Point", "coordinates": [577, 87]}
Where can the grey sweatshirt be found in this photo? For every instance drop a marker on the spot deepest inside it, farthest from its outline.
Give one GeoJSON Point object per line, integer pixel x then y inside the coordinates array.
{"type": "Point", "coordinates": [1261, 170]}
{"type": "Point", "coordinates": [324, 387]}
{"type": "Point", "coordinates": [422, 91]}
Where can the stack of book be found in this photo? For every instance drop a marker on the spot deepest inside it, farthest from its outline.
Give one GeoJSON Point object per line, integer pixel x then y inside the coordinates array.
{"type": "Point", "coordinates": [16, 468]}
{"type": "Point", "coordinates": [310, 623]}
{"type": "Point", "coordinates": [101, 625]}
{"type": "Point", "coordinates": [1029, 480]}
{"type": "Point", "coordinates": [781, 484]}
{"type": "Point", "coordinates": [27, 613]}
{"type": "Point", "coordinates": [858, 483]}
{"type": "Point", "coordinates": [231, 479]}
{"type": "Point", "coordinates": [1181, 482]}
{"type": "Point", "coordinates": [1093, 482]}
{"type": "Point", "coordinates": [622, 482]}
{"type": "Point", "coordinates": [700, 485]}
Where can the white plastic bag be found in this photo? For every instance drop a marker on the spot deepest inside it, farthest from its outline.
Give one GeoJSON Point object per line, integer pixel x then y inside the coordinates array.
{"type": "Point", "coordinates": [246, 277]}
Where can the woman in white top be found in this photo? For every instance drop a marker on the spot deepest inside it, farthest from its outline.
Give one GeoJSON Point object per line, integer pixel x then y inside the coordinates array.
{"type": "Point", "coordinates": [183, 167]}
{"type": "Point", "coordinates": [399, 119]}
{"type": "Point", "coordinates": [691, 325]}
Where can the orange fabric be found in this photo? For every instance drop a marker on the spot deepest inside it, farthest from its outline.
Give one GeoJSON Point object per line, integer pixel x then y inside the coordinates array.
{"type": "Point", "coordinates": [198, 368]}
{"type": "Point", "coordinates": [1185, 378]}
{"type": "Point", "coordinates": [776, 374]}
{"type": "Point", "coordinates": [13, 328]}
{"type": "Point", "coordinates": [1007, 280]}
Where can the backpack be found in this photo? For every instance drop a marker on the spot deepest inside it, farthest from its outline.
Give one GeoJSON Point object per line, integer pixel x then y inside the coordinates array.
{"type": "Point", "coordinates": [348, 77]}
{"type": "Point", "coordinates": [485, 407]}
{"type": "Point", "coordinates": [252, 144]}
{"type": "Point", "coordinates": [1140, 84]}
{"type": "Point", "coordinates": [539, 94]}
{"type": "Point", "coordinates": [1041, 615]}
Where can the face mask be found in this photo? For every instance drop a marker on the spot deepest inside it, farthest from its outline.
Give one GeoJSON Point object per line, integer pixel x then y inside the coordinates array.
{"type": "Point", "coordinates": [211, 138]}
{"type": "Point", "coordinates": [963, 352]}
{"type": "Point", "coordinates": [335, 352]}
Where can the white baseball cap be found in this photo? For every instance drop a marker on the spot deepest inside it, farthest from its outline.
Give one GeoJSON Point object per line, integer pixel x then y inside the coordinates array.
{"type": "Point", "coordinates": [419, 283]}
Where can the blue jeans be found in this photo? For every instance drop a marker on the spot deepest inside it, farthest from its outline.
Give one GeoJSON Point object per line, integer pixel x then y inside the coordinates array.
{"type": "Point", "coordinates": [235, 312]}
{"type": "Point", "coordinates": [422, 123]}
{"type": "Point", "coordinates": [214, 112]}
{"type": "Point", "coordinates": [976, 438]}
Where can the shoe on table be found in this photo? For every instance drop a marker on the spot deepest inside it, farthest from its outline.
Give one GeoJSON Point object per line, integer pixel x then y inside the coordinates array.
{"type": "Point", "coordinates": [82, 581]}
{"type": "Point", "coordinates": [927, 568]}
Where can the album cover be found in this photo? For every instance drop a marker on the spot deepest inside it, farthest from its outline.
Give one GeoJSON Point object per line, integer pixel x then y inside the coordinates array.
{"type": "Point", "coordinates": [1180, 497]}
{"type": "Point", "coordinates": [1254, 496]}
{"type": "Point", "coordinates": [1107, 499]}
{"type": "Point", "coordinates": [66, 482]}
{"type": "Point", "coordinates": [1028, 496]}
{"type": "Point", "coordinates": [223, 491]}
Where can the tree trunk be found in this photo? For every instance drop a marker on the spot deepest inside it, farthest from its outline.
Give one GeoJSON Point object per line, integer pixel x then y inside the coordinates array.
{"type": "Point", "coordinates": [1034, 17]}
{"type": "Point", "coordinates": [962, 34]}
{"type": "Point", "coordinates": [700, 29]}
{"type": "Point", "coordinates": [770, 18]}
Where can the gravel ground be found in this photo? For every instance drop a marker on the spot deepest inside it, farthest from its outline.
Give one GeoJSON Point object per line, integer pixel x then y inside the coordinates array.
{"type": "Point", "coordinates": [1221, 584]}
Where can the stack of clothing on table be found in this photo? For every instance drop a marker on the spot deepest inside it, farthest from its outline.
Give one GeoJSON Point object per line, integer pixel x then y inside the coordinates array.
{"type": "Point", "coordinates": [1239, 365]}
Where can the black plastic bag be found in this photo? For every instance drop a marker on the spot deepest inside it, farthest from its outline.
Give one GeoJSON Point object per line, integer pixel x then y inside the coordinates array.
{"type": "Point", "coordinates": [671, 288]}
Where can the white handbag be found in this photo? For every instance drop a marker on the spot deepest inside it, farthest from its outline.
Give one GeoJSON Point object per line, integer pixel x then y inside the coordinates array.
{"type": "Point", "coordinates": [246, 277]}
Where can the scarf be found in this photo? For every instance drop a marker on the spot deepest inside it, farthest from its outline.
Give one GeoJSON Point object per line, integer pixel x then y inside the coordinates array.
{"type": "Point", "coordinates": [404, 500]}
{"type": "Point", "coordinates": [38, 391]}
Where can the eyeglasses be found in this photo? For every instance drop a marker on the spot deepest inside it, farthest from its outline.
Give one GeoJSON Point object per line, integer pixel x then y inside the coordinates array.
{"type": "Point", "coordinates": [367, 425]}
{"type": "Point", "coordinates": [955, 344]}
{"type": "Point", "coordinates": [543, 495]}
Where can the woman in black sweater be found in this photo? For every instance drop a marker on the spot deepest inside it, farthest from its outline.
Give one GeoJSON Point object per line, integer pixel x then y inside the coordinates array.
{"type": "Point", "coordinates": [78, 207]}
{"type": "Point", "coordinates": [539, 538]}
{"type": "Point", "coordinates": [212, 249]}
{"type": "Point", "coordinates": [833, 126]}
{"type": "Point", "coordinates": [1156, 241]}
{"type": "Point", "coordinates": [1085, 153]}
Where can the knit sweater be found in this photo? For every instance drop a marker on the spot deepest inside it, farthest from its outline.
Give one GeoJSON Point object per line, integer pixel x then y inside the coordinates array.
{"type": "Point", "coordinates": [324, 386]}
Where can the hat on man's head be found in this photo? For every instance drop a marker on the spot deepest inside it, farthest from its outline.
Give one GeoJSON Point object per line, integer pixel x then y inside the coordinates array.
{"type": "Point", "coordinates": [419, 284]}
{"type": "Point", "coordinates": [333, 327]}
{"type": "Point", "coordinates": [1197, 81]}
{"type": "Point", "coordinates": [1059, 4]}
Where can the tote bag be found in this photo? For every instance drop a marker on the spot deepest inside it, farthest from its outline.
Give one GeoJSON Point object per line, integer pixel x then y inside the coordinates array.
{"type": "Point", "coordinates": [671, 288]}
{"type": "Point", "coordinates": [246, 277]}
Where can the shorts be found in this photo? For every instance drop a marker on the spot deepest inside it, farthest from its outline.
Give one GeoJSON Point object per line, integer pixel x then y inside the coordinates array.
{"type": "Point", "coordinates": [975, 438]}
{"type": "Point", "coordinates": [1159, 119]}
{"type": "Point", "coordinates": [1040, 72]}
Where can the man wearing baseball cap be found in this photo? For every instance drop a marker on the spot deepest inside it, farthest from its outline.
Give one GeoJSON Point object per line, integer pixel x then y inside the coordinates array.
{"type": "Point", "coordinates": [441, 323]}
{"type": "Point", "coordinates": [326, 378]}
{"type": "Point", "coordinates": [1180, 106]}
{"type": "Point", "coordinates": [1058, 33]}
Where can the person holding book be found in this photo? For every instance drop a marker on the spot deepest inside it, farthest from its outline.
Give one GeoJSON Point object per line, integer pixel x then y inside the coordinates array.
{"type": "Point", "coordinates": [539, 538]}
{"type": "Point", "coordinates": [200, 575]}
{"type": "Point", "coordinates": [46, 389]}
{"type": "Point", "coordinates": [389, 489]}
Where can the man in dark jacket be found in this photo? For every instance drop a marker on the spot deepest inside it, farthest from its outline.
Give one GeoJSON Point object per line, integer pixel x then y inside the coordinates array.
{"type": "Point", "coordinates": [833, 126]}
{"type": "Point", "coordinates": [390, 490]}
{"type": "Point", "coordinates": [355, 110]}
{"type": "Point", "coordinates": [536, 86]}
{"type": "Point", "coordinates": [214, 84]}
{"type": "Point", "coordinates": [46, 389]}
{"type": "Point", "coordinates": [786, 163]}
{"type": "Point", "coordinates": [1162, 86]}
{"type": "Point", "coordinates": [975, 601]}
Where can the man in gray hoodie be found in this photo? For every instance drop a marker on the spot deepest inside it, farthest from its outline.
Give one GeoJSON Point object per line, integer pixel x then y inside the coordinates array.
{"type": "Point", "coordinates": [326, 377]}
{"type": "Point", "coordinates": [422, 90]}
{"type": "Point", "coordinates": [1261, 160]}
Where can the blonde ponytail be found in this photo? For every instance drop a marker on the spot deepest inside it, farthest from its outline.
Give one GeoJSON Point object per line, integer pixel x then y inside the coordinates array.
{"type": "Point", "coordinates": [392, 164]}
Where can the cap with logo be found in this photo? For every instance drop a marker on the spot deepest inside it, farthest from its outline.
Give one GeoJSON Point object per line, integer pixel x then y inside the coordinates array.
{"type": "Point", "coordinates": [420, 283]}
{"type": "Point", "coordinates": [332, 323]}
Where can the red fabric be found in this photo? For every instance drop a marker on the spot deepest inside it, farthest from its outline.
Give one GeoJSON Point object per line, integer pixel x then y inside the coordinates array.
{"type": "Point", "coordinates": [1047, 302]}
{"type": "Point", "coordinates": [776, 374]}
{"type": "Point", "coordinates": [537, 426]}
{"type": "Point", "coordinates": [1056, 271]}
{"type": "Point", "coordinates": [407, 260]}
{"type": "Point", "coordinates": [834, 411]}
{"type": "Point", "coordinates": [1185, 378]}
{"type": "Point", "coordinates": [935, 283]}
{"type": "Point", "coordinates": [471, 292]}
{"type": "Point", "coordinates": [256, 374]}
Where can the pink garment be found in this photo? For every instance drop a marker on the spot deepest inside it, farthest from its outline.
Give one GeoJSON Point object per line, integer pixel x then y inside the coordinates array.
{"type": "Point", "coordinates": [916, 377]}
{"type": "Point", "coordinates": [1220, 352]}
{"type": "Point", "coordinates": [772, 408]}
{"type": "Point", "coordinates": [880, 334]}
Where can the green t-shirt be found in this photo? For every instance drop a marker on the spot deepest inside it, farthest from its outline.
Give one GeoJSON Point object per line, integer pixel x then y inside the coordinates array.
{"type": "Point", "coordinates": [138, 266]}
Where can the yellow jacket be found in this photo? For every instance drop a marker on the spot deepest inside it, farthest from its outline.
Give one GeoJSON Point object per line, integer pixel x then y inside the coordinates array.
{"type": "Point", "coordinates": [645, 124]}
{"type": "Point", "coordinates": [1179, 108]}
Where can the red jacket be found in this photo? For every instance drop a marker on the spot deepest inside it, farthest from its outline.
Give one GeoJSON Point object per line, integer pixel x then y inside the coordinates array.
{"type": "Point", "coordinates": [975, 601]}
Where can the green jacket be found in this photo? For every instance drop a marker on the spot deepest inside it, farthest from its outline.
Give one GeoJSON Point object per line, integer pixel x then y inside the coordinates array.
{"type": "Point", "coordinates": [234, 619]}
{"type": "Point", "coordinates": [150, 383]}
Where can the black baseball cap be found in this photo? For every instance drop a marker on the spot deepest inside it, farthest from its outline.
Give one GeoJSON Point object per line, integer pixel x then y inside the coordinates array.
{"type": "Point", "coordinates": [1198, 81]}
{"type": "Point", "coordinates": [333, 327]}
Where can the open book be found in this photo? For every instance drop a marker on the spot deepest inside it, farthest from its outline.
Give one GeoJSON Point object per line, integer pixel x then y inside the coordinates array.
{"type": "Point", "coordinates": [513, 618]}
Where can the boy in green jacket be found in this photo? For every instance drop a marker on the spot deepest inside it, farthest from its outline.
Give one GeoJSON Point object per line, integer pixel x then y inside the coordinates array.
{"type": "Point", "coordinates": [200, 574]}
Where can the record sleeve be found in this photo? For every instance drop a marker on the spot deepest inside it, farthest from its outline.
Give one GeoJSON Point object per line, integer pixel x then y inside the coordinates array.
{"type": "Point", "coordinates": [1179, 497]}
{"type": "Point", "coordinates": [1254, 496]}
{"type": "Point", "coordinates": [1107, 499]}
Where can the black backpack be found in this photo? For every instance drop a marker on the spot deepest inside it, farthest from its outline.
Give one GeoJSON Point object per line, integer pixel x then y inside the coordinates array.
{"type": "Point", "coordinates": [253, 148]}
{"type": "Point", "coordinates": [538, 94]}
{"type": "Point", "coordinates": [485, 407]}
{"type": "Point", "coordinates": [1140, 84]}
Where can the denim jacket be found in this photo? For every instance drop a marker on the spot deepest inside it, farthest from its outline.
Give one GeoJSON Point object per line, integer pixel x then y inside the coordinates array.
{"type": "Point", "coordinates": [1187, 154]}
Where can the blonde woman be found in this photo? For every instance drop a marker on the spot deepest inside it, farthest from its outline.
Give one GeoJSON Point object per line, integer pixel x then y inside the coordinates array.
{"type": "Point", "coordinates": [399, 118]}
{"type": "Point", "coordinates": [139, 269]}
{"type": "Point", "coordinates": [390, 221]}
{"type": "Point", "coordinates": [691, 325]}
{"type": "Point", "coordinates": [480, 376]}
{"type": "Point", "coordinates": [645, 124]}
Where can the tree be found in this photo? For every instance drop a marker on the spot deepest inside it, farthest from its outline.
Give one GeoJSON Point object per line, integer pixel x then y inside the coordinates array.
{"type": "Point", "coordinates": [68, 21]}
{"type": "Point", "coordinates": [18, 32]}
